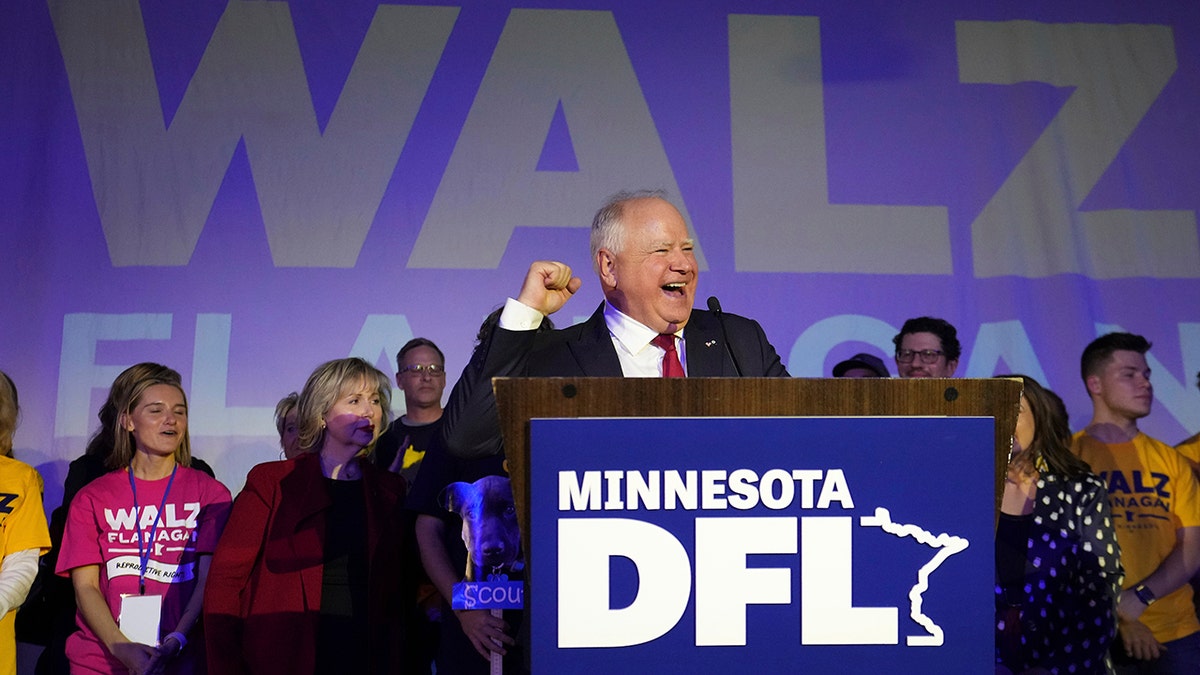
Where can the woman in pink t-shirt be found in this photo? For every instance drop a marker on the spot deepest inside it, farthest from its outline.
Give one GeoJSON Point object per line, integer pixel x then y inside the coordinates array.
{"type": "Point", "coordinates": [138, 543]}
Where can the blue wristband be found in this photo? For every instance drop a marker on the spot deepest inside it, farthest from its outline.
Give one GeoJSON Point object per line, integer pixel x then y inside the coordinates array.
{"type": "Point", "coordinates": [178, 638]}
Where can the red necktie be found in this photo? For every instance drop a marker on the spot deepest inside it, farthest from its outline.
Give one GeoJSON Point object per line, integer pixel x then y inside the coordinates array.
{"type": "Point", "coordinates": [671, 365]}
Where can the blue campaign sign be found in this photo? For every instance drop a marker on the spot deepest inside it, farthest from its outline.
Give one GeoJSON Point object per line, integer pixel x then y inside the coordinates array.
{"type": "Point", "coordinates": [488, 595]}
{"type": "Point", "coordinates": [847, 544]}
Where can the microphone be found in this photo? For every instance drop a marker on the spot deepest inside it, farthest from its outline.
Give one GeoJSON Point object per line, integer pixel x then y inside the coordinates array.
{"type": "Point", "coordinates": [714, 306]}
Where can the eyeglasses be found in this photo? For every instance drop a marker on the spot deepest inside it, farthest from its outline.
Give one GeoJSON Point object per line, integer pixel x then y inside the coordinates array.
{"type": "Point", "coordinates": [927, 355]}
{"type": "Point", "coordinates": [433, 369]}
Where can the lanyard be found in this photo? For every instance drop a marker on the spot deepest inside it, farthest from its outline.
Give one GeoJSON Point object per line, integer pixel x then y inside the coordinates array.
{"type": "Point", "coordinates": [144, 556]}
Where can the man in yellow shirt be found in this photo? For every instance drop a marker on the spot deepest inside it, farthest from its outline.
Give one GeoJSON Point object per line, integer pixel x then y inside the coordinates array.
{"type": "Point", "coordinates": [1190, 447]}
{"type": "Point", "coordinates": [1155, 501]}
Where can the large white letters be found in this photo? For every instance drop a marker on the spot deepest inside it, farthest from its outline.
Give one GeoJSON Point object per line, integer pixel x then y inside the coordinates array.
{"type": "Point", "coordinates": [1032, 226]}
{"type": "Point", "coordinates": [491, 186]}
{"type": "Point", "coordinates": [664, 582]}
{"type": "Point", "coordinates": [78, 372]}
{"type": "Point", "coordinates": [210, 381]}
{"type": "Point", "coordinates": [807, 357]}
{"type": "Point", "coordinates": [827, 614]}
{"type": "Point", "coordinates": [783, 221]}
{"type": "Point", "coordinates": [154, 181]}
{"type": "Point", "coordinates": [1004, 341]}
{"type": "Point", "coordinates": [725, 586]}
{"type": "Point", "coordinates": [209, 413]}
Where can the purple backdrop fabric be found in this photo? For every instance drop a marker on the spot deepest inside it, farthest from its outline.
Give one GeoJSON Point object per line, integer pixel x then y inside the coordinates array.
{"type": "Point", "coordinates": [243, 191]}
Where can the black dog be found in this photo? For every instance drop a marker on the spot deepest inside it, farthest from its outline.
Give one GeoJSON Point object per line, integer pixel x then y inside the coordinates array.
{"type": "Point", "coordinates": [489, 526]}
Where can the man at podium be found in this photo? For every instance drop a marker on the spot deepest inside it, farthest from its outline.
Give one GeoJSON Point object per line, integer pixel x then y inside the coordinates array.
{"type": "Point", "coordinates": [646, 327]}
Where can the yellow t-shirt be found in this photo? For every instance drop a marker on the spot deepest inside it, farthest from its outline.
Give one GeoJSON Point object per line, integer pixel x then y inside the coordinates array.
{"type": "Point", "coordinates": [1152, 492]}
{"type": "Point", "coordinates": [22, 526]}
{"type": "Point", "coordinates": [1190, 448]}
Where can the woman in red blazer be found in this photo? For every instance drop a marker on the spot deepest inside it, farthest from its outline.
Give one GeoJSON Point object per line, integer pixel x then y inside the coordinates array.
{"type": "Point", "coordinates": [308, 576]}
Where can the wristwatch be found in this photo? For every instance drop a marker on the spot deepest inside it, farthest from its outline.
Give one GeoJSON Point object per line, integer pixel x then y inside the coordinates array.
{"type": "Point", "coordinates": [1144, 594]}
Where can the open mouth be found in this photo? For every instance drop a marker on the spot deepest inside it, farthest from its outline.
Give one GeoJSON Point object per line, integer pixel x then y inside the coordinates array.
{"type": "Point", "coordinates": [675, 288]}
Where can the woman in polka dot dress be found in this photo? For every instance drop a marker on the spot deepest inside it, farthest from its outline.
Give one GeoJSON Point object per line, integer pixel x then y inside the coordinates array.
{"type": "Point", "coordinates": [1058, 566]}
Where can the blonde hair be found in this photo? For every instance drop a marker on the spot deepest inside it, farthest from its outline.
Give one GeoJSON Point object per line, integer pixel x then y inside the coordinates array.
{"type": "Point", "coordinates": [10, 413]}
{"type": "Point", "coordinates": [124, 445]}
{"type": "Point", "coordinates": [282, 409]}
{"type": "Point", "coordinates": [103, 442]}
{"type": "Point", "coordinates": [325, 386]}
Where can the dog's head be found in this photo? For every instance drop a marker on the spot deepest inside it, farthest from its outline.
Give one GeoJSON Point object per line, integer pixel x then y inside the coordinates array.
{"type": "Point", "coordinates": [489, 524]}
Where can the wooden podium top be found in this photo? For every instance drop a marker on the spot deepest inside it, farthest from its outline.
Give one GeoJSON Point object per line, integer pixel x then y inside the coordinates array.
{"type": "Point", "coordinates": [519, 400]}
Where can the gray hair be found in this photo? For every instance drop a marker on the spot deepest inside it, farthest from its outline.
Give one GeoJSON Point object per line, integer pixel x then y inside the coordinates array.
{"type": "Point", "coordinates": [607, 230]}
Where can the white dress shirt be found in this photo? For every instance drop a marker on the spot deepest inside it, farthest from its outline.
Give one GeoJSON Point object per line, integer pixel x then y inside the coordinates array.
{"type": "Point", "coordinates": [631, 339]}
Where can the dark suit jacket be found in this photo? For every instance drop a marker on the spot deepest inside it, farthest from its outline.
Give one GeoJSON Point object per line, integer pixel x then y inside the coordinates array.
{"type": "Point", "coordinates": [263, 595]}
{"type": "Point", "coordinates": [471, 428]}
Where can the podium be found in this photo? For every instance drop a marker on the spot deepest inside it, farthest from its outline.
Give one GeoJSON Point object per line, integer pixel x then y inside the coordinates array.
{"type": "Point", "coordinates": [692, 524]}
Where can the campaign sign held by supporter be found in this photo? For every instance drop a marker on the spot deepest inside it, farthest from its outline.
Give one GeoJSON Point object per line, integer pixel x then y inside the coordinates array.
{"type": "Point", "coordinates": [493, 541]}
{"type": "Point", "coordinates": [738, 544]}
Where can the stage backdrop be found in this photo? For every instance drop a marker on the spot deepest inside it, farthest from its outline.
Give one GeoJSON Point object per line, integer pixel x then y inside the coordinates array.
{"type": "Point", "coordinates": [243, 190]}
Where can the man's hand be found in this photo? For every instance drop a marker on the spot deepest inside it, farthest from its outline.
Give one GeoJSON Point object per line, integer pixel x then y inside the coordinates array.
{"type": "Point", "coordinates": [1129, 606]}
{"type": "Point", "coordinates": [548, 286]}
{"type": "Point", "coordinates": [486, 632]}
{"type": "Point", "coordinates": [1139, 641]}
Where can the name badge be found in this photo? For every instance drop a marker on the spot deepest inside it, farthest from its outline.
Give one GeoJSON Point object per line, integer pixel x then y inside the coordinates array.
{"type": "Point", "coordinates": [140, 616]}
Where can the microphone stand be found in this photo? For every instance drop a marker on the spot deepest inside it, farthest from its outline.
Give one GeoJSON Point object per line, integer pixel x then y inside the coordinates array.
{"type": "Point", "coordinates": [714, 306]}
